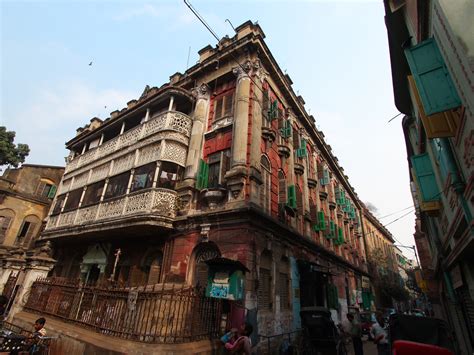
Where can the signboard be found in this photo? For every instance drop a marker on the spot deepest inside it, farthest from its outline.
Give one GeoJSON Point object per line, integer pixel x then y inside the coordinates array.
{"type": "Point", "coordinates": [219, 290]}
{"type": "Point", "coordinates": [365, 282]}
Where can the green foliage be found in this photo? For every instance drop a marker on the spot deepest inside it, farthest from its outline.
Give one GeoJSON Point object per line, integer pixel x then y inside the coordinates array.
{"type": "Point", "coordinates": [11, 154]}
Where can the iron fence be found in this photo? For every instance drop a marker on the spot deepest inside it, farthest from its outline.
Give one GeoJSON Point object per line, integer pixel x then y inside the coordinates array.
{"type": "Point", "coordinates": [154, 314]}
{"type": "Point", "coordinates": [9, 287]}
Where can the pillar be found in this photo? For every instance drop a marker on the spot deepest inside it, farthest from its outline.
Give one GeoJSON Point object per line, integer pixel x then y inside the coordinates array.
{"type": "Point", "coordinates": [258, 76]}
{"type": "Point", "coordinates": [238, 173]}
{"type": "Point", "coordinates": [201, 112]}
{"type": "Point", "coordinates": [38, 264]}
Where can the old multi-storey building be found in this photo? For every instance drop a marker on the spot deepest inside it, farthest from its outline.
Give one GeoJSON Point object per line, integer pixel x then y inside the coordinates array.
{"type": "Point", "coordinates": [222, 167]}
{"type": "Point", "coordinates": [431, 50]}
{"type": "Point", "coordinates": [26, 194]}
{"type": "Point", "coordinates": [380, 255]}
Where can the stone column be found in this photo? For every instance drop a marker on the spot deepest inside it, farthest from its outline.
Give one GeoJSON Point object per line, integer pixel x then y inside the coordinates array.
{"type": "Point", "coordinates": [258, 76]}
{"type": "Point", "coordinates": [13, 262]}
{"type": "Point", "coordinates": [237, 175]}
{"type": "Point", "coordinates": [202, 93]}
{"type": "Point", "coordinates": [201, 112]}
{"type": "Point", "coordinates": [38, 264]}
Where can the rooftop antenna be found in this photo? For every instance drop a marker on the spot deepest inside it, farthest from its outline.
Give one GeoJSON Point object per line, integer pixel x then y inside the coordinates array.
{"type": "Point", "coordinates": [189, 53]}
{"type": "Point", "coordinates": [231, 25]}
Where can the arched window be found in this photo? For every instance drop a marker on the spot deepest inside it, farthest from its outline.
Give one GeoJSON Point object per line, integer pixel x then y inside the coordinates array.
{"type": "Point", "coordinates": [46, 188]}
{"type": "Point", "coordinates": [152, 267]}
{"type": "Point", "coordinates": [265, 188]}
{"type": "Point", "coordinates": [203, 252]}
{"type": "Point", "coordinates": [284, 283]}
{"type": "Point", "coordinates": [264, 296]}
{"type": "Point", "coordinates": [6, 219]}
{"type": "Point", "coordinates": [28, 230]}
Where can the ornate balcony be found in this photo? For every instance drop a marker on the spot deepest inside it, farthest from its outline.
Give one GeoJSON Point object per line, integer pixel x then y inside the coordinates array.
{"type": "Point", "coordinates": [176, 123]}
{"type": "Point", "coordinates": [155, 203]}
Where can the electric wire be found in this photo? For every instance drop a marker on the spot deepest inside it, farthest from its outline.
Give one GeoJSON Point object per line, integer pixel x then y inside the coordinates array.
{"type": "Point", "coordinates": [391, 214]}
{"type": "Point", "coordinates": [208, 27]}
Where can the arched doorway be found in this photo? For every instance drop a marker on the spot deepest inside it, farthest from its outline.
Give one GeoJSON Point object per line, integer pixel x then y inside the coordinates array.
{"type": "Point", "coordinates": [202, 253]}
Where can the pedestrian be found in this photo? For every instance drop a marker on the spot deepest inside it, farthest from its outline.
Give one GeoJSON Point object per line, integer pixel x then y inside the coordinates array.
{"type": "Point", "coordinates": [380, 336]}
{"type": "Point", "coordinates": [39, 327]}
{"type": "Point", "coordinates": [243, 344]}
{"type": "Point", "coordinates": [356, 334]}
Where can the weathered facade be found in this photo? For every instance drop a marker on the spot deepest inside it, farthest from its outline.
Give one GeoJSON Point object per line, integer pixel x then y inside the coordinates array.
{"type": "Point", "coordinates": [26, 194]}
{"type": "Point", "coordinates": [382, 262]}
{"type": "Point", "coordinates": [431, 52]}
{"type": "Point", "coordinates": [221, 163]}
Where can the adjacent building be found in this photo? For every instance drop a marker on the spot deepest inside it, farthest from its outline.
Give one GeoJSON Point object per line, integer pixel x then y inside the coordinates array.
{"type": "Point", "coordinates": [26, 194]}
{"type": "Point", "coordinates": [432, 57]}
{"type": "Point", "coordinates": [382, 262]}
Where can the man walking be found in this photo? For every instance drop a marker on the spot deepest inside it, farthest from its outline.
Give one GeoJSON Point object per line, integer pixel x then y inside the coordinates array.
{"type": "Point", "coordinates": [356, 334]}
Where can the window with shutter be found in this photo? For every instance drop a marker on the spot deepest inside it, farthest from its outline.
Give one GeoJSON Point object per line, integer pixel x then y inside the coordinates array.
{"type": "Point", "coordinates": [296, 139]}
{"type": "Point", "coordinates": [283, 289]}
{"type": "Point", "coordinates": [5, 222]}
{"type": "Point", "coordinates": [324, 176]}
{"type": "Point", "coordinates": [432, 78]}
{"type": "Point", "coordinates": [299, 201]}
{"type": "Point", "coordinates": [425, 177]}
{"type": "Point", "coordinates": [29, 234]}
{"type": "Point", "coordinates": [321, 221]}
{"type": "Point", "coordinates": [264, 295]}
{"type": "Point", "coordinates": [313, 211]}
{"type": "Point", "coordinates": [281, 187]}
{"type": "Point", "coordinates": [52, 191]}
{"type": "Point", "coordinates": [265, 104]}
{"type": "Point", "coordinates": [286, 130]}
{"type": "Point", "coordinates": [228, 104]}
{"type": "Point", "coordinates": [219, 103]}
{"type": "Point", "coordinates": [302, 152]}
{"type": "Point", "coordinates": [274, 112]}
{"type": "Point", "coordinates": [265, 187]}
{"type": "Point", "coordinates": [292, 197]}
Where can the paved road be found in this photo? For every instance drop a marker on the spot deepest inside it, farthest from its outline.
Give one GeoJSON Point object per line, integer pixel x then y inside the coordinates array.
{"type": "Point", "coordinates": [369, 348]}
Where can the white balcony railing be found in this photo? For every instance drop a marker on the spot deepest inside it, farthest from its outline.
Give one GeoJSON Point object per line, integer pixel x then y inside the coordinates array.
{"type": "Point", "coordinates": [155, 201]}
{"type": "Point", "coordinates": [170, 120]}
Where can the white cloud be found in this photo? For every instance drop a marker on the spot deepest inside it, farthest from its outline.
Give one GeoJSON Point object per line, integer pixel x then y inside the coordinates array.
{"type": "Point", "coordinates": [53, 116]}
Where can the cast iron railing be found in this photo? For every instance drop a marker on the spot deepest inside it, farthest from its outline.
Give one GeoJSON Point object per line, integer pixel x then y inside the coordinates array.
{"type": "Point", "coordinates": [153, 314]}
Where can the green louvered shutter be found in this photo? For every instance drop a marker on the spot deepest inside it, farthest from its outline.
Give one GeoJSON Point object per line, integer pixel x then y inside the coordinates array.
{"type": "Point", "coordinates": [285, 131]}
{"type": "Point", "coordinates": [52, 191]}
{"type": "Point", "coordinates": [321, 221]}
{"type": "Point", "coordinates": [332, 229]}
{"type": "Point", "coordinates": [202, 175]}
{"type": "Point", "coordinates": [425, 177]}
{"type": "Point", "coordinates": [273, 112]}
{"type": "Point", "coordinates": [291, 202]}
{"type": "Point", "coordinates": [432, 78]}
{"type": "Point", "coordinates": [340, 236]}
{"type": "Point", "coordinates": [302, 152]}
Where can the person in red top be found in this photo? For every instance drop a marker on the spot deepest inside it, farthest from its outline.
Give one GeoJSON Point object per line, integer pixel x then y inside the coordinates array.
{"type": "Point", "coordinates": [243, 344]}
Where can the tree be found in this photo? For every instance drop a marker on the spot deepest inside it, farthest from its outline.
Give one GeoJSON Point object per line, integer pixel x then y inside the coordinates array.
{"type": "Point", "coordinates": [11, 154]}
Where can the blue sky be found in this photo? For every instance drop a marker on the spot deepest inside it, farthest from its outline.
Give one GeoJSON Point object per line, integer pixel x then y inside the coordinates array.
{"type": "Point", "coordinates": [335, 52]}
